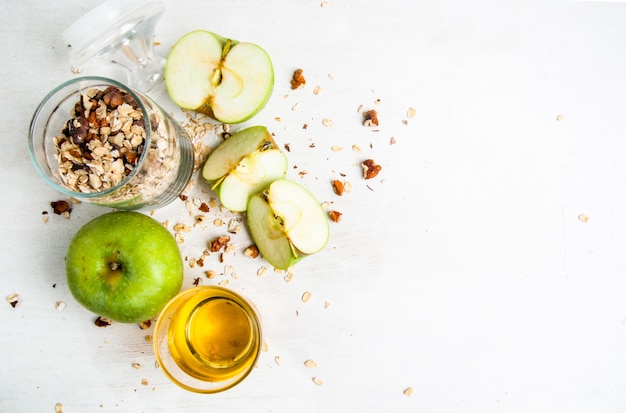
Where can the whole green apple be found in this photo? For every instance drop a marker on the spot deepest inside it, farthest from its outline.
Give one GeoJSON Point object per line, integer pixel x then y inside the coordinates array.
{"type": "Point", "coordinates": [124, 266]}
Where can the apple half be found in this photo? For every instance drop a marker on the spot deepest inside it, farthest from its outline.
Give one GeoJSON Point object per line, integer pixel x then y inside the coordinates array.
{"type": "Point", "coordinates": [226, 79]}
{"type": "Point", "coordinates": [287, 223]}
{"type": "Point", "coordinates": [244, 165]}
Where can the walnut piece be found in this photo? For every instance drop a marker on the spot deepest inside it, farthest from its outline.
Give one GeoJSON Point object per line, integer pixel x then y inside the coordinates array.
{"type": "Point", "coordinates": [335, 216]}
{"type": "Point", "coordinates": [298, 81]}
{"type": "Point", "coordinates": [338, 187]}
{"type": "Point", "coordinates": [370, 118]}
{"type": "Point", "coordinates": [370, 169]}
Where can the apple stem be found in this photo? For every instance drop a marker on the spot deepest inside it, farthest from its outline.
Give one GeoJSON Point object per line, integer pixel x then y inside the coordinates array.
{"type": "Point", "coordinates": [114, 266]}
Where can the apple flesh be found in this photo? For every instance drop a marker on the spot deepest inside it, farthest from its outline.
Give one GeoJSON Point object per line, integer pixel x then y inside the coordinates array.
{"type": "Point", "coordinates": [226, 79]}
{"type": "Point", "coordinates": [124, 266]}
{"type": "Point", "coordinates": [287, 223]}
{"type": "Point", "coordinates": [243, 165]}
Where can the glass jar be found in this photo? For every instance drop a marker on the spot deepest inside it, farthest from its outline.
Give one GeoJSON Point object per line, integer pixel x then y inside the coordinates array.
{"type": "Point", "coordinates": [101, 142]}
{"type": "Point", "coordinates": [207, 339]}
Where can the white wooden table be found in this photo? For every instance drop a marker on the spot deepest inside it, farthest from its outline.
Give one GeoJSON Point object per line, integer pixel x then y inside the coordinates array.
{"type": "Point", "coordinates": [484, 268]}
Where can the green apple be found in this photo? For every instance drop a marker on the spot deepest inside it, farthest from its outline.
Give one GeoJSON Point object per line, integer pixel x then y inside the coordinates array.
{"type": "Point", "coordinates": [124, 266]}
{"type": "Point", "coordinates": [243, 165]}
{"type": "Point", "coordinates": [287, 223]}
{"type": "Point", "coordinates": [226, 79]}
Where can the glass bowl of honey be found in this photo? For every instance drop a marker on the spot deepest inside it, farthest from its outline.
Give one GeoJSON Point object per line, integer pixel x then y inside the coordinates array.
{"type": "Point", "coordinates": [207, 339]}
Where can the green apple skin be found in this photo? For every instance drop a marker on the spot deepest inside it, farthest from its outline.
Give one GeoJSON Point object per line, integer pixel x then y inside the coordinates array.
{"type": "Point", "coordinates": [228, 80]}
{"type": "Point", "coordinates": [228, 153]}
{"type": "Point", "coordinates": [124, 266]}
{"type": "Point", "coordinates": [287, 223]}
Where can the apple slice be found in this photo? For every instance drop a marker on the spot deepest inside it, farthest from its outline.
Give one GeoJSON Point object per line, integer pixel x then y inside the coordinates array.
{"type": "Point", "coordinates": [287, 223]}
{"type": "Point", "coordinates": [228, 80]}
{"type": "Point", "coordinates": [243, 165]}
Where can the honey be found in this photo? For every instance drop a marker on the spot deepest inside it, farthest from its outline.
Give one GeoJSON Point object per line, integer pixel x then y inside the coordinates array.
{"type": "Point", "coordinates": [208, 339]}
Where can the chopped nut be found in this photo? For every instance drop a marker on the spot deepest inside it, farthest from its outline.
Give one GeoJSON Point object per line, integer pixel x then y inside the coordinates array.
{"type": "Point", "coordinates": [13, 299]}
{"type": "Point", "coordinates": [310, 363]}
{"type": "Point", "coordinates": [218, 243]}
{"type": "Point", "coordinates": [59, 207]}
{"type": "Point", "coordinates": [298, 81]}
{"type": "Point", "coordinates": [335, 216]}
{"type": "Point", "coordinates": [252, 251]}
{"type": "Point", "coordinates": [102, 322]}
{"type": "Point", "coordinates": [204, 207]}
{"type": "Point", "coordinates": [370, 118]}
{"type": "Point", "coordinates": [144, 325]}
{"type": "Point", "coordinates": [370, 169]}
{"type": "Point", "coordinates": [338, 187]}
{"type": "Point", "coordinates": [306, 296]}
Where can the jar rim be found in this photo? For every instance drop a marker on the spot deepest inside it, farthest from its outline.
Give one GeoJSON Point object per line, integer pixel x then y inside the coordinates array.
{"type": "Point", "coordinates": [83, 83]}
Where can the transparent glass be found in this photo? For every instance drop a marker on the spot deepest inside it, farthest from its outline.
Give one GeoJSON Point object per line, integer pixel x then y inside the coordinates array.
{"type": "Point", "coordinates": [160, 172]}
{"type": "Point", "coordinates": [119, 32]}
{"type": "Point", "coordinates": [207, 339]}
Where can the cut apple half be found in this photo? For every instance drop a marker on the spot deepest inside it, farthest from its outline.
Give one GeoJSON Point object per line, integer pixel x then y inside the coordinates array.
{"type": "Point", "coordinates": [243, 165]}
{"type": "Point", "coordinates": [226, 79]}
{"type": "Point", "coordinates": [287, 223]}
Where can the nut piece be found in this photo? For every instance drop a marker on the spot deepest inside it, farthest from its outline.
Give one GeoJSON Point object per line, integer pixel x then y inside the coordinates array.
{"type": "Point", "coordinates": [252, 251]}
{"type": "Point", "coordinates": [218, 243]}
{"type": "Point", "coordinates": [102, 322]}
{"type": "Point", "coordinates": [298, 81]}
{"type": "Point", "coordinates": [370, 168]}
{"type": "Point", "coordinates": [370, 118]}
{"type": "Point", "coordinates": [338, 187]}
{"type": "Point", "coordinates": [59, 207]}
{"type": "Point", "coordinates": [335, 216]}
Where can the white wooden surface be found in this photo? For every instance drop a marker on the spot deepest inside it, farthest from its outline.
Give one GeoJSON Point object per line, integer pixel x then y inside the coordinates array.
{"type": "Point", "coordinates": [462, 271]}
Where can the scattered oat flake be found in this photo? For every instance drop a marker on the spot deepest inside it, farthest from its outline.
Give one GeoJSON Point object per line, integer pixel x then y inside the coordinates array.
{"type": "Point", "coordinates": [323, 4]}
{"type": "Point", "coordinates": [261, 271]}
{"type": "Point", "coordinates": [264, 346]}
{"type": "Point", "coordinates": [356, 148]}
{"type": "Point", "coordinates": [317, 381]}
{"type": "Point", "coordinates": [306, 296]}
{"type": "Point", "coordinates": [144, 382]}
{"type": "Point", "coordinates": [58, 408]}
{"type": "Point", "coordinates": [560, 117]}
{"type": "Point", "coordinates": [59, 305]}
{"type": "Point", "coordinates": [326, 304]}
{"type": "Point", "coordinates": [410, 113]}
{"type": "Point", "coordinates": [583, 218]}
{"type": "Point", "coordinates": [136, 366]}
{"type": "Point", "coordinates": [408, 391]}
{"type": "Point", "coordinates": [288, 277]}
{"type": "Point", "coordinates": [317, 90]}
{"type": "Point", "coordinates": [277, 360]}
{"type": "Point", "coordinates": [336, 148]}
{"type": "Point", "coordinates": [310, 363]}
{"type": "Point", "coordinates": [328, 123]}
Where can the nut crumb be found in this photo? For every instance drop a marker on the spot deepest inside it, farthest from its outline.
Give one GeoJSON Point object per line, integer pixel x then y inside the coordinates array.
{"type": "Point", "coordinates": [144, 325]}
{"type": "Point", "coordinates": [252, 251]}
{"type": "Point", "coordinates": [298, 81]}
{"type": "Point", "coordinates": [370, 169]}
{"type": "Point", "coordinates": [218, 243]}
{"type": "Point", "coordinates": [102, 322]}
{"type": "Point", "coordinates": [335, 216]}
{"type": "Point", "coordinates": [326, 304]}
{"type": "Point", "coordinates": [338, 187]}
{"type": "Point", "coordinates": [144, 382]}
{"type": "Point", "coordinates": [370, 118]}
{"type": "Point", "coordinates": [210, 274]}
{"type": "Point", "coordinates": [392, 141]}
{"type": "Point", "coordinates": [204, 207]}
